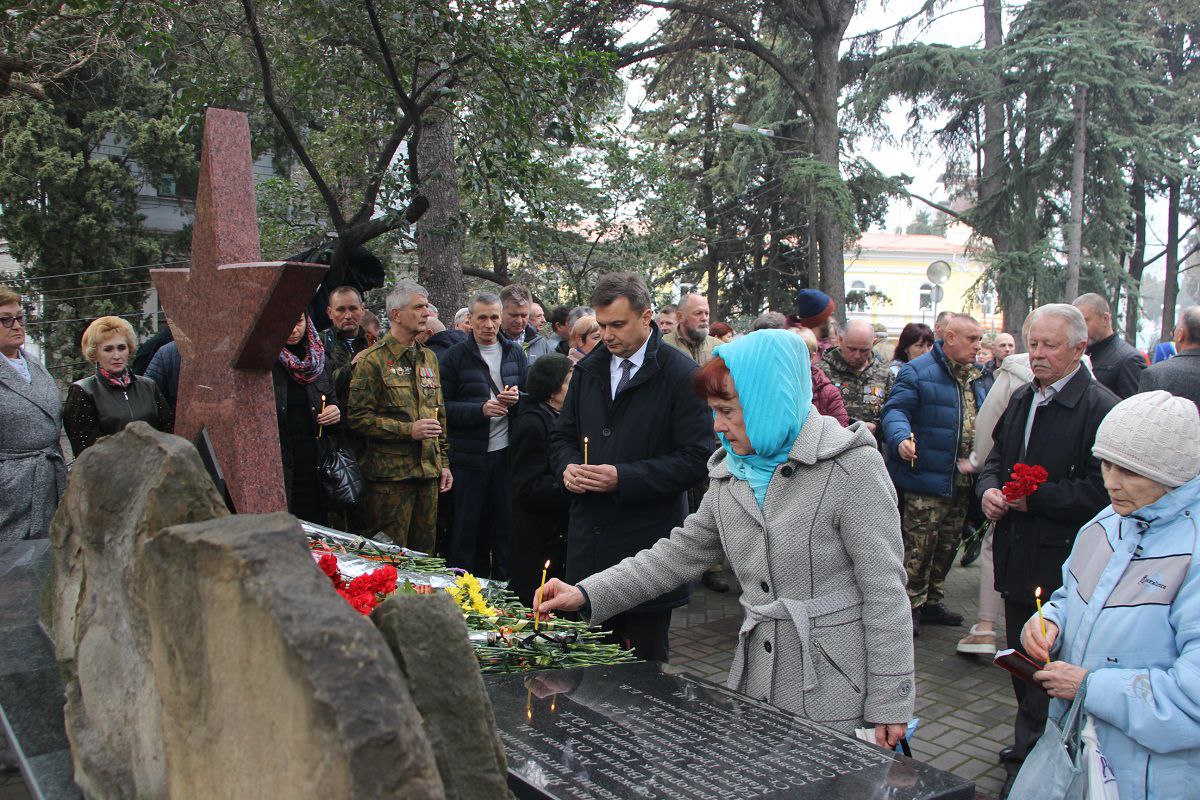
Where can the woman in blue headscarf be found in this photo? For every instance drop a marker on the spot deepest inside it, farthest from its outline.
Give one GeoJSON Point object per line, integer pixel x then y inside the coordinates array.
{"type": "Point", "coordinates": [806, 515]}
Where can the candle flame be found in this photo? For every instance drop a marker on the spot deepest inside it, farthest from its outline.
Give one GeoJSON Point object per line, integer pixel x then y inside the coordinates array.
{"type": "Point", "coordinates": [1037, 592]}
{"type": "Point", "coordinates": [547, 563]}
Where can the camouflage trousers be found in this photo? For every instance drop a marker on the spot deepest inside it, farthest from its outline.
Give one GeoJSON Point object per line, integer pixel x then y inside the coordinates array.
{"type": "Point", "coordinates": [406, 511]}
{"type": "Point", "coordinates": [932, 530]}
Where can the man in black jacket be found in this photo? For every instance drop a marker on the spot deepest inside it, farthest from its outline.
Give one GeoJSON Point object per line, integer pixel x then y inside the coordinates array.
{"type": "Point", "coordinates": [1051, 423]}
{"type": "Point", "coordinates": [481, 380]}
{"type": "Point", "coordinates": [631, 440]}
{"type": "Point", "coordinates": [1115, 363]}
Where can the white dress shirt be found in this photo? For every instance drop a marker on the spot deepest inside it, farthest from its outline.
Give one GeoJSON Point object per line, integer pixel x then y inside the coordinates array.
{"type": "Point", "coordinates": [615, 371]}
{"type": "Point", "coordinates": [1042, 397]}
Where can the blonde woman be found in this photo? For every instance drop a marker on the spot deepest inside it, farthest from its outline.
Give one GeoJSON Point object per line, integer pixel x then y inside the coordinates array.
{"type": "Point", "coordinates": [104, 403]}
{"type": "Point", "coordinates": [585, 335]}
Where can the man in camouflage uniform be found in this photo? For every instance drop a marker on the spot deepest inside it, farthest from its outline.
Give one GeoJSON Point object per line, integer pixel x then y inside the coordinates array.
{"type": "Point", "coordinates": [929, 461]}
{"type": "Point", "coordinates": [396, 409]}
{"type": "Point", "coordinates": [346, 338]}
{"type": "Point", "coordinates": [863, 381]}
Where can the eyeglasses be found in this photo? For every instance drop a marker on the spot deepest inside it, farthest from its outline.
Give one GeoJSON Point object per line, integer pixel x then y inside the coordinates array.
{"type": "Point", "coordinates": [8, 322]}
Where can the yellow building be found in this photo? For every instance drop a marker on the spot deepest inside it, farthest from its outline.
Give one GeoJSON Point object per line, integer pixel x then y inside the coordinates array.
{"type": "Point", "coordinates": [895, 265]}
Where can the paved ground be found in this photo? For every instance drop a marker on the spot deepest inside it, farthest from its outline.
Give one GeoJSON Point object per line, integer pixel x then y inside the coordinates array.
{"type": "Point", "coordinates": [965, 705]}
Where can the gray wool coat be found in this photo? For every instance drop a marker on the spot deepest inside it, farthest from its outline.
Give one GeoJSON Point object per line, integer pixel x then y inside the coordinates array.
{"type": "Point", "coordinates": [32, 473]}
{"type": "Point", "coordinates": [827, 632]}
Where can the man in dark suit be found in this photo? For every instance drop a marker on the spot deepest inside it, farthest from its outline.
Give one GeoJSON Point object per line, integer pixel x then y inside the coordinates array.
{"type": "Point", "coordinates": [1050, 422]}
{"type": "Point", "coordinates": [1179, 375]}
{"type": "Point", "coordinates": [1115, 363]}
{"type": "Point", "coordinates": [648, 438]}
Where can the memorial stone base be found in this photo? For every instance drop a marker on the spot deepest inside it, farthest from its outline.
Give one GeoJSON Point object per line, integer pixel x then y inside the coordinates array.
{"type": "Point", "coordinates": [633, 731]}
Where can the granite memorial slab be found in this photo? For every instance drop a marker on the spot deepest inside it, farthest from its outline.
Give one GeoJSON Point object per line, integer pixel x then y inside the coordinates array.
{"type": "Point", "coordinates": [31, 688]}
{"type": "Point", "coordinates": [635, 731]}
{"type": "Point", "coordinates": [231, 314]}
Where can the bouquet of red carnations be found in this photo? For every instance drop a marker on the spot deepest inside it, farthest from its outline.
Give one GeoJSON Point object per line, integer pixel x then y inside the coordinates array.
{"type": "Point", "coordinates": [1024, 481]}
{"type": "Point", "coordinates": [364, 592]}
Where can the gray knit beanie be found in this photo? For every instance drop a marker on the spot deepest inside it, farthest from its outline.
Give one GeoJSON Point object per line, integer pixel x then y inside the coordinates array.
{"type": "Point", "coordinates": [1154, 434]}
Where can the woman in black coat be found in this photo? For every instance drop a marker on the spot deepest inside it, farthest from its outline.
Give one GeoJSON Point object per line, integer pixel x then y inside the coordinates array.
{"type": "Point", "coordinates": [305, 405]}
{"type": "Point", "coordinates": [540, 506]}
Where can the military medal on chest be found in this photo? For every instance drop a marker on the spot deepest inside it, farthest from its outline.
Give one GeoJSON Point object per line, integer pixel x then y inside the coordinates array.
{"type": "Point", "coordinates": [426, 374]}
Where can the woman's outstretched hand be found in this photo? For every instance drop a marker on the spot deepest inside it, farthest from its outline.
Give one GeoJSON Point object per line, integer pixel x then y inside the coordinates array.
{"type": "Point", "coordinates": [556, 596]}
{"type": "Point", "coordinates": [890, 735]}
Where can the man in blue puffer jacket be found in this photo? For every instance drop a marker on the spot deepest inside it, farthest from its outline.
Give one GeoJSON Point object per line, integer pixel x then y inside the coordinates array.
{"type": "Point", "coordinates": [928, 433]}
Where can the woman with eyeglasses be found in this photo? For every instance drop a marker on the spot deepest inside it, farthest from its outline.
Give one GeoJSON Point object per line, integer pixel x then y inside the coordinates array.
{"type": "Point", "coordinates": [104, 403]}
{"type": "Point", "coordinates": [32, 475]}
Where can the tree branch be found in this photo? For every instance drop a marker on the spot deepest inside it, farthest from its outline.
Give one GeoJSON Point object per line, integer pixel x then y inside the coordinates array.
{"type": "Point", "coordinates": [486, 275]}
{"type": "Point", "coordinates": [717, 42]}
{"type": "Point", "coordinates": [406, 102]}
{"type": "Point", "coordinates": [1182, 236]}
{"type": "Point", "coordinates": [289, 130]}
{"type": "Point", "coordinates": [749, 43]}
{"type": "Point", "coordinates": [944, 209]}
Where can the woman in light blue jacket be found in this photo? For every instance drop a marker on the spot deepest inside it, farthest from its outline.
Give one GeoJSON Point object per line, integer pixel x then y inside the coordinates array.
{"type": "Point", "coordinates": [1127, 618]}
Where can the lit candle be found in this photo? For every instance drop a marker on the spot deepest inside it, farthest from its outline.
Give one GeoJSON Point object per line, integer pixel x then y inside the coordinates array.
{"type": "Point", "coordinates": [321, 428]}
{"type": "Point", "coordinates": [536, 614]}
{"type": "Point", "coordinates": [585, 444]}
{"type": "Point", "coordinates": [1037, 598]}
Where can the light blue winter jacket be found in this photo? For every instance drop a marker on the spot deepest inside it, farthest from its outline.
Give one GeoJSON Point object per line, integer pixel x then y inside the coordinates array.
{"type": "Point", "coordinates": [1129, 612]}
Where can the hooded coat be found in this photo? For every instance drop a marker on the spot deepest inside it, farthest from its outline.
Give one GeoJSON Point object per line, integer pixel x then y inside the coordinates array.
{"type": "Point", "coordinates": [827, 632]}
{"type": "Point", "coordinates": [1129, 613]}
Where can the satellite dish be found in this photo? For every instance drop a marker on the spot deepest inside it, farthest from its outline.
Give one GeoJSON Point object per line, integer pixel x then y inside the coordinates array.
{"type": "Point", "coordinates": [938, 272]}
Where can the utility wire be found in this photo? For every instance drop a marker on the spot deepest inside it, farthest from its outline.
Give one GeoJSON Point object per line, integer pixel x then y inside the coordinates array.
{"type": "Point", "coordinates": [47, 292]}
{"type": "Point", "coordinates": [100, 271]}
{"type": "Point", "coordinates": [74, 298]}
{"type": "Point", "coordinates": [40, 322]}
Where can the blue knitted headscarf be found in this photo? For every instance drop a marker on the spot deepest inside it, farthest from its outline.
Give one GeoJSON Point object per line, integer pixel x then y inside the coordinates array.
{"type": "Point", "coordinates": [772, 374]}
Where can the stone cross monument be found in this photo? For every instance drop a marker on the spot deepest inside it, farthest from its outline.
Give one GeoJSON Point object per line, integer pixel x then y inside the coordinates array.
{"type": "Point", "coordinates": [231, 315]}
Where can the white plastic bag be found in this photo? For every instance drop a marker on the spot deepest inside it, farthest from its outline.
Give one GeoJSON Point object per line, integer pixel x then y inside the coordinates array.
{"type": "Point", "coordinates": [1101, 781]}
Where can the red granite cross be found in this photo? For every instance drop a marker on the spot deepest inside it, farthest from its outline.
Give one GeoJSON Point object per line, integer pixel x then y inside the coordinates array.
{"type": "Point", "coordinates": [231, 315]}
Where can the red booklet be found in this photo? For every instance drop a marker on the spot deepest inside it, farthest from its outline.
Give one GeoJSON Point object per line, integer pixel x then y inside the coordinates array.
{"type": "Point", "coordinates": [1018, 664]}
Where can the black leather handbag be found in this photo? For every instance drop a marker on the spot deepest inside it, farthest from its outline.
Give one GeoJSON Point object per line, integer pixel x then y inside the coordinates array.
{"type": "Point", "coordinates": [338, 473]}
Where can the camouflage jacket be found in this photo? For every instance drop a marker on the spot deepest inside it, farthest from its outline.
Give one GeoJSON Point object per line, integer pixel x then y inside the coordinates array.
{"type": "Point", "coordinates": [700, 353]}
{"type": "Point", "coordinates": [392, 387]}
{"type": "Point", "coordinates": [862, 392]}
{"type": "Point", "coordinates": [340, 352]}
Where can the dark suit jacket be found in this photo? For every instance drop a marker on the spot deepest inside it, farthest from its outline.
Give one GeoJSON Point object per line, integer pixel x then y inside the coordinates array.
{"type": "Point", "coordinates": [659, 435]}
{"type": "Point", "coordinates": [1179, 375]}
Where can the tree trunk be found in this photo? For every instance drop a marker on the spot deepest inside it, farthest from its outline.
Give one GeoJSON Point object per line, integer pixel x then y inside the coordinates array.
{"type": "Point", "coordinates": [707, 160]}
{"type": "Point", "coordinates": [1137, 258]}
{"type": "Point", "coordinates": [440, 232]}
{"type": "Point", "coordinates": [1014, 300]}
{"type": "Point", "coordinates": [1078, 161]}
{"type": "Point", "coordinates": [1171, 280]}
{"type": "Point", "coordinates": [830, 235]}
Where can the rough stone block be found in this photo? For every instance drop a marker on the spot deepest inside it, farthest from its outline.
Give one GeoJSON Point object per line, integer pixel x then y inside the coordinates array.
{"type": "Point", "coordinates": [428, 636]}
{"type": "Point", "coordinates": [271, 685]}
{"type": "Point", "coordinates": [121, 492]}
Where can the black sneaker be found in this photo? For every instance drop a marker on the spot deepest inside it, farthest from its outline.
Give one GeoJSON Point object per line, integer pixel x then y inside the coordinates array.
{"type": "Point", "coordinates": [938, 614]}
{"type": "Point", "coordinates": [916, 615]}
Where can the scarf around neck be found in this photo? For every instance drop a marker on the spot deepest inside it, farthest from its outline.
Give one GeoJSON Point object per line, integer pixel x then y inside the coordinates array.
{"type": "Point", "coordinates": [118, 380]}
{"type": "Point", "coordinates": [773, 378]}
{"type": "Point", "coordinates": [308, 369]}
